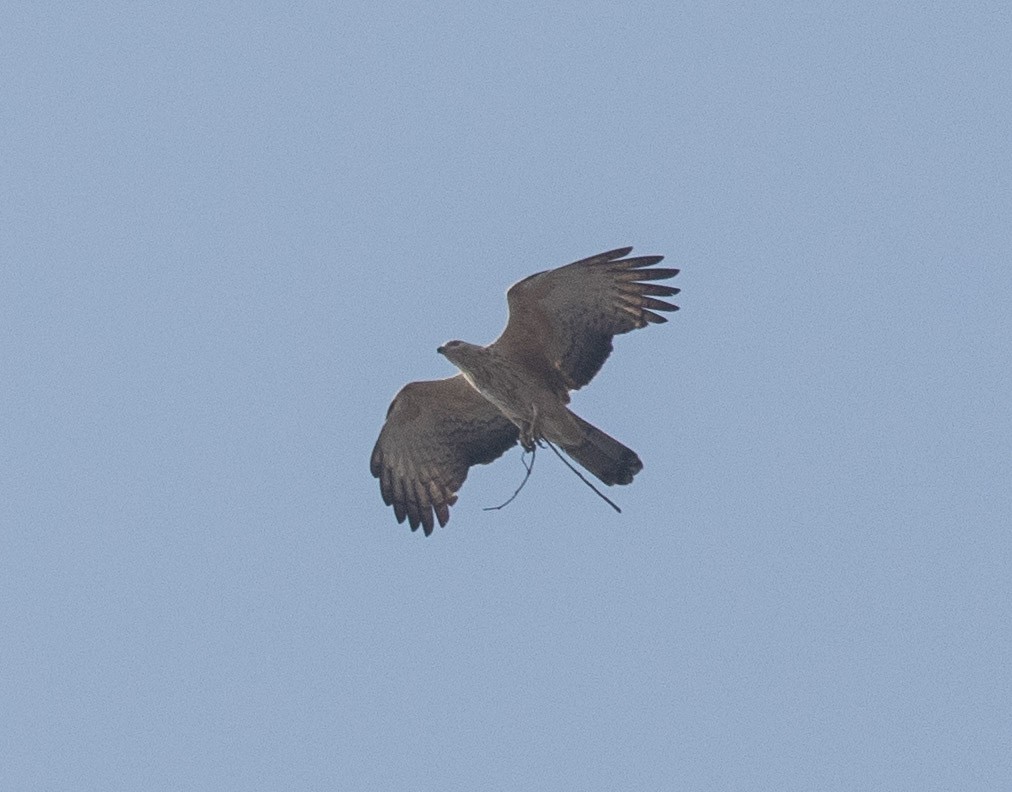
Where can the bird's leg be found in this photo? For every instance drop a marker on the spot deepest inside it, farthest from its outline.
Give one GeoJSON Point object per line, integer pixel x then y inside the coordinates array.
{"type": "Point", "coordinates": [527, 437]}
{"type": "Point", "coordinates": [529, 432]}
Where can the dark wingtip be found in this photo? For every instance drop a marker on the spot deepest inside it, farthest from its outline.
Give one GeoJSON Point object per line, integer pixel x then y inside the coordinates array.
{"type": "Point", "coordinates": [658, 305]}
{"type": "Point", "coordinates": [617, 253]}
{"type": "Point", "coordinates": [603, 258]}
{"type": "Point", "coordinates": [656, 274]}
{"type": "Point", "coordinates": [427, 521]}
{"type": "Point", "coordinates": [657, 289]}
{"type": "Point", "coordinates": [639, 262]}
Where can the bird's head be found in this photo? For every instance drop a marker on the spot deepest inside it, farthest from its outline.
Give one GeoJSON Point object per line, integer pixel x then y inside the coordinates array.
{"type": "Point", "coordinates": [457, 351]}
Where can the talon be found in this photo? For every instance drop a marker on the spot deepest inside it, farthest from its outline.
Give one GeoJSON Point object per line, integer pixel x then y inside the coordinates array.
{"type": "Point", "coordinates": [529, 433]}
{"type": "Point", "coordinates": [527, 438]}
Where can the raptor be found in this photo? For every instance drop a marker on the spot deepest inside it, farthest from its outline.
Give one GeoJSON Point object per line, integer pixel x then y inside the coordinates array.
{"type": "Point", "coordinates": [559, 333]}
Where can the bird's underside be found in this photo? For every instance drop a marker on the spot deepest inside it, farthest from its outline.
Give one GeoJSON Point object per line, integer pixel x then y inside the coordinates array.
{"type": "Point", "coordinates": [559, 333]}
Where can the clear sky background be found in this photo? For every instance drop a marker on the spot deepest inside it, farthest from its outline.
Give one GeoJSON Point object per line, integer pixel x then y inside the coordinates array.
{"type": "Point", "coordinates": [230, 233]}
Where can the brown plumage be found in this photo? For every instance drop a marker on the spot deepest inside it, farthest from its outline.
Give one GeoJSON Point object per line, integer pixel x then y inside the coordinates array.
{"type": "Point", "coordinates": [559, 334]}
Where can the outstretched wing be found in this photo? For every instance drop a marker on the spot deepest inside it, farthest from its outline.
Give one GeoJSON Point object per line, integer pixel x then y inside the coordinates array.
{"type": "Point", "coordinates": [562, 320]}
{"type": "Point", "coordinates": [434, 431]}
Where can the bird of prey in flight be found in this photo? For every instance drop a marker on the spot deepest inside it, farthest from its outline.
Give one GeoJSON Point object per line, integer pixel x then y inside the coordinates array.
{"type": "Point", "coordinates": [561, 323]}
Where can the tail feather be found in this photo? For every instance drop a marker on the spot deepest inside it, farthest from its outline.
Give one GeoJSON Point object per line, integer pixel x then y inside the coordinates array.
{"type": "Point", "coordinates": [603, 455]}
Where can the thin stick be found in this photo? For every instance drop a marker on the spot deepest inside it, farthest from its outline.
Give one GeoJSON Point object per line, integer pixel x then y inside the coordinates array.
{"type": "Point", "coordinates": [600, 494]}
{"type": "Point", "coordinates": [527, 475]}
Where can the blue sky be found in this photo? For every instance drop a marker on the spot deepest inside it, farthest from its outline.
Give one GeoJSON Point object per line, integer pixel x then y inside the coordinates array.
{"type": "Point", "coordinates": [229, 234]}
